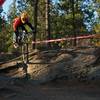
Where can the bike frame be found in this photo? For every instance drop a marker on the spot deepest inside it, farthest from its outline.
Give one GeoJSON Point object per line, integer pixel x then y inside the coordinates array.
{"type": "Point", "coordinates": [24, 47]}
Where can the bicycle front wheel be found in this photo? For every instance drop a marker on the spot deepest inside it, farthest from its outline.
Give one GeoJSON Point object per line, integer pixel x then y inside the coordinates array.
{"type": "Point", "coordinates": [25, 52]}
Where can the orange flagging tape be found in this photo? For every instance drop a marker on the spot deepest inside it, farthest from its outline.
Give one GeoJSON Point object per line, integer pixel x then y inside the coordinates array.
{"type": "Point", "coordinates": [63, 39]}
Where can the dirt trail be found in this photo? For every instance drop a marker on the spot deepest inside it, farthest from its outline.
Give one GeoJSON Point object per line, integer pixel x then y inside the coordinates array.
{"type": "Point", "coordinates": [12, 88]}
{"type": "Point", "coordinates": [59, 90]}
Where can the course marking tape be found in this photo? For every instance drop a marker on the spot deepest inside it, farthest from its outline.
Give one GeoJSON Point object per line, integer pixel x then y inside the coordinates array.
{"type": "Point", "coordinates": [63, 39]}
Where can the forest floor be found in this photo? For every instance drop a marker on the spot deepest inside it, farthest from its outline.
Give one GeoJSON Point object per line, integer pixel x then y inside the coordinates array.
{"type": "Point", "coordinates": [59, 90]}
{"type": "Point", "coordinates": [12, 88]}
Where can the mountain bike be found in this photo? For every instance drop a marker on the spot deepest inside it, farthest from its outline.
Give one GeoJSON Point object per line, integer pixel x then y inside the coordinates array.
{"type": "Point", "coordinates": [23, 40]}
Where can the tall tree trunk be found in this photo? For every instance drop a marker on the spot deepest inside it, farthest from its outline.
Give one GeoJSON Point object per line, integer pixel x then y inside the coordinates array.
{"type": "Point", "coordinates": [77, 5]}
{"type": "Point", "coordinates": [73, 13]}
{"type": "Point", "coordinates": [47, 15]}
{"type": "Point", "coordinates": [35, 2]}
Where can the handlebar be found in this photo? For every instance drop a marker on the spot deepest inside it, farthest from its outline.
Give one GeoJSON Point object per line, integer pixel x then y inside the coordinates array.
{"type": "Point", "coordinates": [31, 32]}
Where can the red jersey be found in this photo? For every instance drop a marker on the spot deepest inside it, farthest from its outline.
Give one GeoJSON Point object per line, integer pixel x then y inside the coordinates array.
{"type": "Point", "coordinates": [16, 23]}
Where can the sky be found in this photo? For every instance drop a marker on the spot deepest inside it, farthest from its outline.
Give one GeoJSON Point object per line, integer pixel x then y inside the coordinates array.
{"type": "Point", "coordinates": [6, 5]}
{"type": "Point", "coordinates": [8, 2]}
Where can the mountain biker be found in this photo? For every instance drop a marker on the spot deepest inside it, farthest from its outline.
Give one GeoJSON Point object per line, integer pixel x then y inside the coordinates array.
{"type": "Point", "coordinates": [18, 23]}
